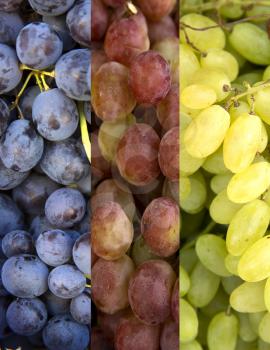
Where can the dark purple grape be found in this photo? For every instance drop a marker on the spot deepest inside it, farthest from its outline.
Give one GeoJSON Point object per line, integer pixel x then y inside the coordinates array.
{"type": "Point", "coordinates": [17, 242]}
{"type": "Point", "coordinates": [82, 253]}
{"type": "Point", "coordinates": [9, 5]}
{"type": "Point", "coordinates": [79, 24]}
{"type": "Point", "coordinates": [3, 291]}
{"type": "Point", "coordinates": [9, 178]}
{"type": "Point", "coordinates": [80, 308]}
{"type": "Point", "coordinates": [11, 216]}
{"type": "Point", "coordinates": [56, 305]}
{"type": "Point", "coordinates": [10, 25]}
{"type": "Point", "coordinates": [27, 100]}
{"type": "Point", "coordinates": [51, 7]}
{"type": "Point", "coordinates": [38, 45]}
{"type": "Point", "coordinates": [4, 116]}
{"type": "Point", "coordinates": [4, 330]}
{"type": "Point", "coordinates": [21, 147]}
{"type": "Point", "coordinates": [10, 74]}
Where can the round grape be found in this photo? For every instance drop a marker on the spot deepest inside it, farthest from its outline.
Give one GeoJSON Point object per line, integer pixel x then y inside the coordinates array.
{"type": "Point", "coordinates": [51, 7]}
{"type": "Point", "coordinates": [80, 308]}
{"type": "Point", "coordinates": [82, 253]}
{"type": "Point", "coordinates": [11, 216]}
{"type": "Point", "coordinates": [9, 178]}
{"type": "Point", "coordinates": [10, 74]}
{"type": "Point", "coordinates": [10, 25]}
{"type": "Point", "coordinates": [10, 5]}
{"type": "Point", "coordinates": [79, 24]}
{"type": "Point", "coordinates": [17, 242]}
{"type": "Point", "coordinates": [56, 305]}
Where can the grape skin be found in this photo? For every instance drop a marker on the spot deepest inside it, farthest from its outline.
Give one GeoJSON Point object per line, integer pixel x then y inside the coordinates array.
{"type": "Point", "coordinates": [27, 100]}
{"type": "Point", "coordinates": [99, 19]}
{"type": "Point", "coordinates": [170, 336]}
{"type": "Point", "coordinates": [17, 242]}
{"type": "Point", "coordinates": [55, 305]}
{"type": "Point", "coordinates": [10, 74]}
{"type": "Point", "coordinates": [78, 22]}
{"type": "Point", "coordinates": [9, 5]}
{"type": "Point", "coordinates": [11, 216]}
{"type": "Point", "coordinates": [9, 178]}
{"type": "Point", "coordinates": [51, 7]}
{"type": "Point", "coordinates": [80, 308]}
{"type": "Point", "coordinates": [10, 25]}
{"type": "Point", "coordinates": [81, 253]}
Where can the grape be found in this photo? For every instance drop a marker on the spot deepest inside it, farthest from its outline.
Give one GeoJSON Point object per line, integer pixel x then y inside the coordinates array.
{"type": "Point", "coordinates": [150, 291]}
{"type": "Point", "coordinates": [38, 225]}
{"type": "Point", "coordinates": [164, 28]}
{"type": "Point", "coordinates": [110, 284]}
{"type": "Point", "coordinates": [10, 74]}
{"type": "Point", "coordinates": [246, 333]}
{"type": "Point", "coordinates": [80, 308]}
{"type": "Point", "coordinates": [189, 322]}
{"type": "Point", "coordinates": [184, 281]}
{"type": "Point", "coordinates": [82, 253]}
{"type": "Point", "coordinates": [188, 164]}
{"type": "Point", "coordinates": [263, 328]}
{"type": "Point", "coordinates": [62, 332]}
{"type": "Point", "coordinates": [175, 301]}
{"type": "Point", "coordinates": [98, 58]}
{"type": "Point", "coordinates": [193, 345]}
{"type": "Point", "coordinates": [198, 96]}
{"type": "Point", "coordinates": [79, 24]}
{"type": "Point", "coordinates": [65, 207]}
{"type": "Point", "coordinates": [168, 155]}
{"type": "Point", "coordinates": [236, 111]}
{"type": "Point", "coordinates": [101, 168]}
{"type": "Point", "coordinates": [160, 226]}
{"type": "Point", "coordinates": [38, 45]}
{"type": "Point", "coordinates": [214, 163]}
{"type": "Point", "coordinates": [126, 37]}
{"type": "Point", "coordinates": [168, 109]}
{"type": "Point", "coordinates": [66, 281]}
{"type": "Point", "coordinates": [171, 189]}
{"type": "Point", "coordinates": [55, 115]}
{"type": "Point", "coordinates": [218, 304]}
{"type": "Point", "coordinates": [169, 336]}
{"type": "Point", "coordinates": [11, 216]}
{"type": "Point", "coordinates": [110, 323]}
{"type": "Point", "coordinates": [25, 276]}
{"type": "Point", "coordinates": [156, 10]}
{"type": "Point", "coordinates": [112, 99]}
{"type": "Point", "coordinates": [149, 77]}
{"type": "Point", "coordinates": [188, 65]}
{"type": "Point", "coordinates": [248, 297]}
{"type": "Point", "coordinates": [10, 25]}
{"type": "Point", "coordinates": [99, 19]}
{"type": "Point", "coordinates": [260, 108]}
{"type": "Point", "coordinates": [51, 7]}
{"type": "Point", "coordinates": [220, 182]}
{"type": "Point", "coordinates": [74, 165]}
{"type": "Point", "coordinates": [267, 294]}
{"type": "Point", "coordinates": [141, 252]}
{"type": "Point", "coordinates": [132, 334]}
{"type": "Point", "coordinates": [4, 116]}
{"type": "Point", "coordinates": [137, 155]}
{"type": "Point", "coordinates": [9, 178]}
{"type": "Point", "coordinates": [71, 74]}
{"type": "Point", "coordinates": [9, 5]}
{"type": "Point", "coordinates": [113, 3]}
{"type": "Point", "coordinates": [112, 232]}
{"type": "Point", "coordinates": [55, 305]}
{"type": "Point", "coordinates": [17, 242]}
{"type": "Point", "coordinates": [99, 341]}
{"type": "Point", "coordinates": [231, 263]}
{"type": "Point", "coordinates": [27, 100]}
{"type": "Point", "coordinates": [21, 147]}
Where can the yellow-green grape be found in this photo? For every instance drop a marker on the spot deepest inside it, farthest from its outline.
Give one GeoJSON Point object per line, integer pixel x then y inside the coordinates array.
{"type": "Point", "coordinates": [211, 251]}
{"type": "Point", "coordinates": [251, 77]}
{"type": "Point", "coordinates": [187, 163]}
{"type": "Point", "coordinates": [203, 287]}
{"type": "Point", "coordinates": [251, 42]}
{"type": "Point", "coordinates": [257, 11]}
{"type": "Point", "coordinates": [231, 263]}
{"type": "Point", "coordinates": [189, 63]}
{"type": "Point", "coordinates": [247, 226]}
{"type": "Point", "coordinates": [264, 327]}
{"type": "Point", "coordinates": [254, 264]}
{"type": "Point", "coordinates": [250, 183]}
{"type": "Point", "coordinates": [261, 104]}
{"type": "Point", "coordinates": [185, 120]}
{"type": "Point", "coordinates": [188, 259]}
{"type": "Point", "coordinates": [215, 79]}
{"type": "Point", "coordinates": [188, 321]}
{"type": "Point", "coordinates": [204, 321]}
{"type": "Point", "coordinates": [267, 294]}
{"type": "Point", "coordinates": [248, 297]}
{"type": "Point", "coordinates": [264, 139]}
{"type": "Point", "coordinates": [206, 132]}
{"type": "Point", "coordinates": [242, 345]}
{"type": "Point", "coordinates": [242, 142]}
{"type": "Point", "coordinates": [246, 332]}
{"type": "Point", "coordinates": [218, 304]}
{"type": "Point", "coordinates": [214, 163]}
{"type": "Point", "coordinates": [262, 345]}
{"type": "Point", "coordinates": [240, 59]}
{"type": "Point", "coordinates": [189, 111]}
{"type": "Point", "coordinates": [230, 283]}
{"type": "Point", "coordinates": [255, 319]}
{"type": "Point", "coordinates": [203, 40]}
{"type": "Point", "coordinates": [198, 96]}
{"type": "Point", "coordinates": [220, 182]}
{"type": "Point", "coordinates": [231, 11]}
{"type": "Point", "coordinates": [222, 209]}
{"type": "Point", "coordinates": [236, 111]}
{"type": "Point", "coordinates": [266, 74]}
{"type": "Point", "coordinates": [193, 345]}
{"type": "Point", "coordinates": [222, 332]}
{"type": "Point", "coordinates": [221, 59]}
{"type": "Point", "coordinates": [185, 187]}
{"type": "Point", "coordinates": [184, 281]}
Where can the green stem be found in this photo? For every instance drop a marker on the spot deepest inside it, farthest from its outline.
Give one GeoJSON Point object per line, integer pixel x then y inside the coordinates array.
{"type": "Point", "coordinates": [84, 132]}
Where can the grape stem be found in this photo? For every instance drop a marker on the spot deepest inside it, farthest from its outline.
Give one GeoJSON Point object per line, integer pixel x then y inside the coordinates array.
{"type": "Point", "coordinates": [49, 74]}
{"type": "Point", "coordinates": [45, 85]}
{"type": "Point", "coordinates": [84, 132]}
{"type": "Point", "coordinates": [213, 5]}
{"type": "Point", "coordinates": [15, 103]}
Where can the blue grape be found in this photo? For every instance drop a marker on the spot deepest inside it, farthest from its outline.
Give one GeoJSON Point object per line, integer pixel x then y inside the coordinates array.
{"type": "Point", "coordinates": [54, 247]}
{"type": "Point", "coordinates": [79, 24]}
{"type": "Point", "coordinates": [10, 25]}
{"type": "Point", "coordinates": [62, 332]}
{"type": "Point", "coordinates": [84, 185]}
{"type": "Point", "coordinates": [66, 281]}
{"type": "Point", "coordinates": [9, 178]}
{"type": "Point", "coordinates": [38, 225]}
{"type": "Point", "coordinates": [55, 115]}
{"type": "Point", "coordinates": [11, 216]}
{"type": "Point", "coordinates": [27, 100]}
{"type": "Point", "coordinates": [4, 116]}
{"type": "Point", "coordinates": [87, 111]}
{"type": "Point", "coordinates": [74, 235]}
{"type": "Point", "coordinates": [38, 45]}
{"type": "Point", "coordinates": [65, 207]}
{"type": "Point", "coordinates": [4, 330]}
{"type": "Point", "coordinates": [80, 308]}
{"type": "Point", "coordinates": [84, 224]}
{"type": "Point", "coordinates": [26, 316]}
{"type": "Point", "coordinates": [3, 291]}
{"type": "Point", "coordinates": [17, 242]}
{"type": "Point", "coordinates": [56, 305]}
{"type": "Point", "coordinates": [10, 74]}
{"type": "Point", "coordinates": [10, 5]}
{"type": "Point", "coordinates": [21, 147]}
{"type": "Point", "coordinates": [73, 165]}
{"type": "Point", "coordinates": [51, 7]}
{"type": "Point", "coordinates": [82, 253]}
{"type": "Point", "coordinates": [31, 195]}
{"type": "Point", "coordinates": [25, 276]}
{"type": "Point", "coordinates": [71, 74]}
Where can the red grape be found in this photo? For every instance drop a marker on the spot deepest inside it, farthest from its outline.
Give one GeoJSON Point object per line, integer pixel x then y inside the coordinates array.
{"type": "Point", "coordinates": [99, 19]}
{"type": "Point", "coordinates": [165, 28]}
{"type": "Point", "coordinates": [100, 167]}
{"type": "Point", "coordinates": [99, 341]}
{"type": "Point", "coordinates": [109, 323]}
{"type": "Point", "coordinates": [175, 302]}
{"type": "Point", "coordinates": [168, 109]}
{"type": "Point", "coordinates": [97, 59]}
{"type": "Point", "coordinates": [170, 336]}
{"type": "Point", "coordinates": [114, 3]}
{"type": "Point", "coordinates": [156, 9]}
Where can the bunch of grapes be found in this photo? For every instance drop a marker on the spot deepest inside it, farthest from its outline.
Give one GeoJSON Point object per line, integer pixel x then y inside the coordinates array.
{"type": "Point", "coordinates": [135, 174]}
{"type": "Point", "coordinates": [45, 174]}
{"type": "Point", "coordinates": [225, 175]}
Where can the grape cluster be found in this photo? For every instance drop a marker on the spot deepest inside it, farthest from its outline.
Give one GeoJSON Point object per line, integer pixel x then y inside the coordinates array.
{"type": "Point", "coordinates": [224, 176]}
{"type": "Point", "coordinates": [135, 219]}
{"type": "Point", "coordinates": [45, 185]}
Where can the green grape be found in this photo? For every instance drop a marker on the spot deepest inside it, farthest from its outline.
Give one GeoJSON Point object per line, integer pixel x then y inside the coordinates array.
{"type": "Point", "coordinates": [251, 42]}
{"type": "Point", "coordinates": [214, 163]}
{"type": "Point", "coordinates": [193, 345]}
{"type": "Point", "coordinates": [246, 332]}
{"type": "Point", "coordinates": [218, 304]}
{"type": "Point", "coordinates": [242, 345]}
{"type": "Point", "coordinates": [266, 74]}
{"type": "Point", "coordinates": [222, 332]}
{"type": "Point", "coordinates": [261, 104]}
{"type": "Point", "coordinates": [255, 319]}
{"type": "Point", "coordinates": [189, 111]}
{"type": "Point", "coordinates": [247, 226]}
{"type": "Point", "coordinates": [231, 11]}
{"type": "Point", "coordinates": [198, 96]}
{"type": "Point", "coordinates": [215, 79]}
{"type": "Point", "coordinates": [203, 40]}
{"type": "Point", "coordinates": [248, 297]}
{"type": "Point", "coordinates": [236, 111]}
{"type": "Point", "coordinates": [250, 183]}
{"type": "Point", "coordinates": [222, 209]}
{"type": "Point", "coordinates": [240, 59]}
{"type": "Point", "coordinates": [263, 345]}
{"type": "Point", "coordinates": [185, 187]}
{"type": "Point", "coordinates": [264, 139]}
{"type": "Point", "coordinates": [231, 262]}
{"type": "Point", "coordinates": [220, 182]}
{"type": "Point", "coordinates": [189, 63]}
{"type": "Point", "coordinates": [203, 287]}
{"type": "Point", "coordinates": [251, 77]}
{"type": "Point", "coordinates": [254, 264]}
{"type": "Point", "coordinates": [267, 294]}
{"type": "Point", "coordinates": [221, 59]}
{"type": "Point", "coordinates": [191, 223]}
{"type": "Point", "coordinates": [211, 251]}
{"type": "Point", "coordinates": [140, 252]}
{"type": "Point", "coordinates": [230, 283]}
{"type": "Point", "coordinates": [206, 132]}
{"type": "Point", "coordinates": [257, 11]}
{"type": "Point", "coordinates": [184, 281]}
{"type": "Point", "coordinates": [204, 321]}
{"type": "Point", "coordinates": [188, 321]}
{"type": "Point", "coordinates": [242, 142]}
{"type": "Point", "coordinates": [264, 327]}
{"type": "Point", "coordinates": [188, 259]}
{"type": "Point", "coordinates": [185, 120]}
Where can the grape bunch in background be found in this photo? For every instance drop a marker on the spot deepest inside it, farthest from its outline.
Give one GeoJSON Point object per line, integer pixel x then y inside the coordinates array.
{"type": "Point", "coordinates": [224, 175]}
{"type": "Point", "coordinates": [45, 185]}
{"type": "Point", "coordinates": [135, 175]}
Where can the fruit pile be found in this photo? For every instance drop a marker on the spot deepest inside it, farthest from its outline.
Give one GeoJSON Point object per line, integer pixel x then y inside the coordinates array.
{"type": "Point", "coordinates": [44, 174]}
{"type": "Point", "coordinates": [225, 175]}
{"type": "Point", "coordinates": [135, 172]}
